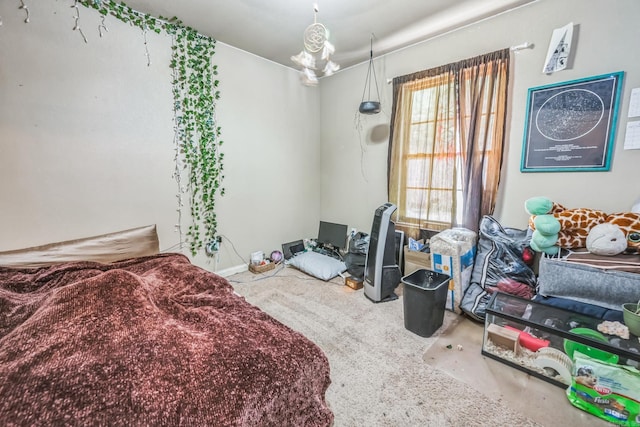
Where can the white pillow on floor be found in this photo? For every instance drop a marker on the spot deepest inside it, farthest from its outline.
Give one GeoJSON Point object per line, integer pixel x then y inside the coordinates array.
{"type": "Point", "coordinates": [317, 265]}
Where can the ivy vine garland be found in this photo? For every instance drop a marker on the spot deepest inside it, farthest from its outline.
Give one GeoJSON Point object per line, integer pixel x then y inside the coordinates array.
{"type": "Point", "coordinates": [197, 135]}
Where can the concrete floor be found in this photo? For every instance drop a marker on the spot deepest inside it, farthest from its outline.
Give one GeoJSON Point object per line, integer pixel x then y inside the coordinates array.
{"type": "Point", "coordinates": [539, 400]}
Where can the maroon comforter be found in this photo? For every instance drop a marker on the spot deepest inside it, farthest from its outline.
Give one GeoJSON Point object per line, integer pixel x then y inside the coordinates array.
{"type": "Point", "coordinates": [152, 341]}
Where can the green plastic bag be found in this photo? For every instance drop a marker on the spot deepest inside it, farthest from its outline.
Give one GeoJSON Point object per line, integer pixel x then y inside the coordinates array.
{"type": "Point", "coordinates": [606, 390]}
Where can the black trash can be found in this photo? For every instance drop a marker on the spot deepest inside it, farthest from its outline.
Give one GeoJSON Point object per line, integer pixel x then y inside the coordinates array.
{"type": "Point", "coordinates": [425, 296]}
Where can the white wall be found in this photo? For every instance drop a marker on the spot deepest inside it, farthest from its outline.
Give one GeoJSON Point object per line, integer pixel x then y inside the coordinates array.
{"type": "Point", "coordinates": [605, 41]}
{"type": "Point", "coordinates": [86, 137]}
{"type": "Point", "coordinates": [272, 161]}
{"type": "Point", "coordinates": [84, 128]}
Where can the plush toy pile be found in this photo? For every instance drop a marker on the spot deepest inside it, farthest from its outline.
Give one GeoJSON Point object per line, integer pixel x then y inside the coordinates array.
{"type": "Point", "coordinates": [557, 227]}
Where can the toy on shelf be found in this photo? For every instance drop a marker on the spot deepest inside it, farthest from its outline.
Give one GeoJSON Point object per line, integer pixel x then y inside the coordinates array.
{"type": "Point", "coordinates": [555, 227]}
{"type": "Point", "coordinates": [606, 239]}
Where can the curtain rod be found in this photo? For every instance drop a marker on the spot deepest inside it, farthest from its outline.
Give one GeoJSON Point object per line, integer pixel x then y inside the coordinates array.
{"type": "Point", "coordinates": [525, 45]}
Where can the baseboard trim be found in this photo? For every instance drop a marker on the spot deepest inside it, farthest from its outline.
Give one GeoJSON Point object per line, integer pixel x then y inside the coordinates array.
{"type": "Point", "coordinates": [233, 270]}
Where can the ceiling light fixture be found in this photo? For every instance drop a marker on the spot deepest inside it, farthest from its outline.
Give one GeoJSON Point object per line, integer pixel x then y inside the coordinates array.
{"type": "Point", "coordinates": [316, 53]}
{"type": "Point", "coordinates": [370, 107]}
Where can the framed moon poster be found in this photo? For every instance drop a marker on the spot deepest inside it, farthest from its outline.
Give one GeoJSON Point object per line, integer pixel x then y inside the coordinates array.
{"type": "Point", "coordinates": [570, 126]}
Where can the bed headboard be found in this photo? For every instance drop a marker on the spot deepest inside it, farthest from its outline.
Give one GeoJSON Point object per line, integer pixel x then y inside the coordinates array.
{"type": "Point", "coordinates": [135, 242]}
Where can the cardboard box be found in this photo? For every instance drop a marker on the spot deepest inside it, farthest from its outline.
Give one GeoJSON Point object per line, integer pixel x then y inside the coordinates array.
{"type": "Point", "coordinates": [353, 283]}
{"type": "Point", "coordinates": [415, 260]}
{"type": "Point", "coordinates": [447, 263]}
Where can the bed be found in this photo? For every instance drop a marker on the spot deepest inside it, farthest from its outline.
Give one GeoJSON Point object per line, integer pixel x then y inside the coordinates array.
{"type": "Point", "coordinates": [150, 340]}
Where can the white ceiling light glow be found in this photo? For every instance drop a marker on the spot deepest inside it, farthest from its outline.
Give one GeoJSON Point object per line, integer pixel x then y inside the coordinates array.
{"type": "Point", "coordinates": [316, 53]}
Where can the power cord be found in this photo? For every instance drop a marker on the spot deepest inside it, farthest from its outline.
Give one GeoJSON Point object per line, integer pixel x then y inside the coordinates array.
{"type": "Point", "coordinates": [234, 249]}
{"type": "Point", "coordinates": [279, 268]}
{"type": "Point", "coordinates": [173, 248]}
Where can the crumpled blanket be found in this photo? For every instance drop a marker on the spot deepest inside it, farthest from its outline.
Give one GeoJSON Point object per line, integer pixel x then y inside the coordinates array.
{"type": "Point", "coordinates": [152, 341]}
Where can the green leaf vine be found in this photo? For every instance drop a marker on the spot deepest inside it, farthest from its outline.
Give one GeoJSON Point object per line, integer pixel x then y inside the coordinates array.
{"type": "Point", "coordinates": [197, 134]}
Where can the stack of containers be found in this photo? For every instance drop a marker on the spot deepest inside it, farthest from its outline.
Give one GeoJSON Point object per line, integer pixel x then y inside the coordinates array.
{"type": "Point", "coordinates": [452, 253]}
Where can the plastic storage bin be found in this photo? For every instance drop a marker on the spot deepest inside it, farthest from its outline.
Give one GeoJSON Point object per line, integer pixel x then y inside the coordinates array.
{"type": "Point", "coordinates": [453, 252]}
{"type": "Point", "coordinates": [425, 295]}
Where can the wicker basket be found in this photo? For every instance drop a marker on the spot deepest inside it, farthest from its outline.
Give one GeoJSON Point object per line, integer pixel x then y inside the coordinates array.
{"type": "Point", "coordinates": [261, 268]}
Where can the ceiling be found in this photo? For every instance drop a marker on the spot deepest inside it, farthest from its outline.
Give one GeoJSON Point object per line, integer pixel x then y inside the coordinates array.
{"type": "Point", "coordinates": [273, 29]}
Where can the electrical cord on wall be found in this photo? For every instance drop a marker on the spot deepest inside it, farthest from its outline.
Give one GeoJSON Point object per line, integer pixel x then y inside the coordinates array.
{"type": "Point", "coordinates": [173, 248]}
{"type": "Point", "coordinates": [216, 257]}
{"type": "Point", "coordinates": [234, 249]}
{"type": "Point", "coordinates": [180, 246]}
{"type": "Point", "coordinates": [357, 121]}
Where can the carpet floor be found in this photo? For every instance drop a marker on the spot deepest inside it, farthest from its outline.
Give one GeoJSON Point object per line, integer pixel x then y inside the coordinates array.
{"type": "Point", "coordinates": [382, 374]}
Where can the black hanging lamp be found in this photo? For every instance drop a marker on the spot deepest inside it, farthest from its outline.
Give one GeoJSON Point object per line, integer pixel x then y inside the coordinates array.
{"type": "Point", "coordinates": [370, 107]}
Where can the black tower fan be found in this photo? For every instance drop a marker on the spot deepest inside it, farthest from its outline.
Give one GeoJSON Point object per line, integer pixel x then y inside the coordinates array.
{"type": "Point", "coordinates": [382, 273]}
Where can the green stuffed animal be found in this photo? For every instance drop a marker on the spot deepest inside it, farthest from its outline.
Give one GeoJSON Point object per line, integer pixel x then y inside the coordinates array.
{"type": "Point", "coordinates": [544, 224]}
{"type": "Point", "coordinates": [557, 227]}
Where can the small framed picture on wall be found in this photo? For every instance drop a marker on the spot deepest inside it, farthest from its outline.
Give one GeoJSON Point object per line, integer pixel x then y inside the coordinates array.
{"type": "Point", "coordinates": [570, 126]}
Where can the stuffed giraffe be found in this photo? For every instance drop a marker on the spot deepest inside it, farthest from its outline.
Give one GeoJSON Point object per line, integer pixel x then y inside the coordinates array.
{"type": "Point", "coordinates": [558, 227]}
{"type": "Point", "coordinates": [629, 223]}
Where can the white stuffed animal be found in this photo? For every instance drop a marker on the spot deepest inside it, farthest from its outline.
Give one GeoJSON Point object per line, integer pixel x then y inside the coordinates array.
{"type": "Point", "coordinates": [606, 239]}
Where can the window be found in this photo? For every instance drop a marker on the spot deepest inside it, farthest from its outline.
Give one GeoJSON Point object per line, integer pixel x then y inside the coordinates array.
{"type": "Point", "coordinates": [436, 152]}
{"type": "Point", "coordinates": [432, 158]}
